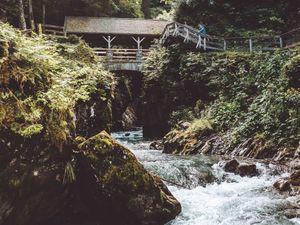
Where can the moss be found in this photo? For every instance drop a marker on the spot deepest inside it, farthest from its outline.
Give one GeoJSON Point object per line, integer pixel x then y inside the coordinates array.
{"type": "Point", "coordinates": [242, 94]}
{"type": "Point", "coordinates": [15, 183]}
{"type": "Point", "coordinates": [199, 125]}
{"type": "Point", "coordinates": [69, 174]}
{"type": "Point", "coordinates": [119, 168]}
{"type": "Point", "coordinates": [43, 79]}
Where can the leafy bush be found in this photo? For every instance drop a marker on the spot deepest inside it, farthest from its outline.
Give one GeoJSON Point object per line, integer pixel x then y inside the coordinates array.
{"type": "Point", "coordinates": [245, 95]}
{"type": "Point", "coordinates": [41, 81]}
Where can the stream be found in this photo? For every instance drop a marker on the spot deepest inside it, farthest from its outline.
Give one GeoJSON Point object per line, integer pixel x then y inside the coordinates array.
{"type": "Point", "coordinates": [208, 195]}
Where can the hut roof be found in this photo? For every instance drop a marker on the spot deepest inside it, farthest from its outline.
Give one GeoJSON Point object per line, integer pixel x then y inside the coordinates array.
{"type": "Point", "coordinates": [121, 26]}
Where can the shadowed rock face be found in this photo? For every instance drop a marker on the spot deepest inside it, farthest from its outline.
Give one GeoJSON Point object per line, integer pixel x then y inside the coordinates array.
{"type": "Point", "coordinates": [98, 182]}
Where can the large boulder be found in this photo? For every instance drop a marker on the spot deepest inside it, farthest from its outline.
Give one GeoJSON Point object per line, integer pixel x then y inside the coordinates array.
{"type": "Point", "coordinates": [97, 182]}
{"type": "Point", "coordinates": [120, 186]}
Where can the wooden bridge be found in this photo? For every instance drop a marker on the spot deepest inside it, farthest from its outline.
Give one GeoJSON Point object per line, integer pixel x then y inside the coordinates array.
{"type": "Point", "coordinates": [122, 59]}
{"type": "Point", "coordinates": [109, 31]}
{"type": "Point", "coordinates": [214, 43]}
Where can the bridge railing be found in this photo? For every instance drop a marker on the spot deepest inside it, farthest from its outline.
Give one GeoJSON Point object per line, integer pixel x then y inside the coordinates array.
{"type": "Point", "coordinates": [190, 34]}
{"type": "Point", "coordinates": [27, 32]}
{"type": "Point", "coordinates": [53, 30]}
{"type": "Point", "coordinates": [291, 39]}
{"type": "Point", "coordinates": [253, 43]}
{"type": "Point", "coordinates": [121, 55]}
{"type": "Point", "coordinates": [208, 42]}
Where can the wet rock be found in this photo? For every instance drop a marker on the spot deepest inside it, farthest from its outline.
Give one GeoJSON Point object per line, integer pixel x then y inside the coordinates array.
{"type": "Point", "coordinates": [127, 134]}
{"type": "Point", "coordinates": [231, 166]}
{"type": "Point", "coordinates": [184, 125]}
{"type": "Point", "coordinates": [129, 118]}
{"type": "Point", "coordinates": [295, 164]}
{"type": "Point", "coordinates": [282, 185]}
{"type": "Point", "coordinates": [156, 145]}
{"type": "Point", "coordinates": [173, 142]}
{"type": "Point", "coordinates": [292, 210]}
{"type": "Point", "coordinates": [245, 169]}
{"type": "Point", "coordinates": [242, 169]}
{"type": "Point", "coordinates": [292, 213]}
{"type": "Point", "coordinates": [290, 185]}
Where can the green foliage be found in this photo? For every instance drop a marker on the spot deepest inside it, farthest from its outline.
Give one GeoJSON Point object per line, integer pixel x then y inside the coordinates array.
{"type": "Point", "coordinates": [244, 95]}
{"type": "Point", "coordinates": [69, 174]}
{"type": "Point", "coordinates": [43, 79]}
{"type": "Point", "coordinates": [28, 131]}
{"type": "Point", "coordinates": [241, 18]}
{"type": "Point", "coordinates": [198, 125]}
{"type": "Point", "coordinates": [56, 10]}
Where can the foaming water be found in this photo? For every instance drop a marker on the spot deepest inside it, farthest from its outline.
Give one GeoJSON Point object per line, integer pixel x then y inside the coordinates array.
{"type": "Point", "coordinates": [208, 195]}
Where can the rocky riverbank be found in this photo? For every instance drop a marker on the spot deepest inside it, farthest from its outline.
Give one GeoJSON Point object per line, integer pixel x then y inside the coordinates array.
{"type": "Point", "coordinates": [229, 104]}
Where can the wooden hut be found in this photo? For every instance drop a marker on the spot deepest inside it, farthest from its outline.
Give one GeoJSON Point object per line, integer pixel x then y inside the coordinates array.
{"type": "Point", "coordinates": [108, 32]}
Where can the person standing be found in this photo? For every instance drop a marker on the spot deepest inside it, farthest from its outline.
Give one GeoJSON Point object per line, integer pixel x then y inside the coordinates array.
{"type": "Point", "coordinates": [202, 30]}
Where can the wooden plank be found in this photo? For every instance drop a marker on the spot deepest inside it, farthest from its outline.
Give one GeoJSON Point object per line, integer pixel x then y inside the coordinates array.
{"type": "Point", "coordinates": [52, 26]}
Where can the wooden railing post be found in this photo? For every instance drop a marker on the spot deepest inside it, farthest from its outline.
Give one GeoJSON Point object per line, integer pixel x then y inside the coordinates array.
{"type": "Point", "coordinates": [250, 45]}
{"type": "Point", "coordinates": [40, 29]}
{"type": "Point", "coordinates": [225, 45]}
{"type": "Point", "coordinates": [175, 30]}
{"type": "Point", "coordinates": [109, 55]}
{"type": "Point", "coordinates": [280, 42]}
{"type": "Point", "coordinates": [199, 43]}
{"type": "Point", "coordinates": [139, 55]}
{"type": "Point", "coordinates": [186, 39]}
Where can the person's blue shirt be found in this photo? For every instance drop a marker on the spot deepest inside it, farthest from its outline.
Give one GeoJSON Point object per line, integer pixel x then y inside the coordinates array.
{"type": "Point", "coordinates": [202, 30]}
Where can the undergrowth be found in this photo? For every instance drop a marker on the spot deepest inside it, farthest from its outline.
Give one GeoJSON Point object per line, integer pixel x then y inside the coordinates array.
{"type": "Point", "coordinates": [41, 81]}
{"type": "Point", "coordinates": [243, 95]}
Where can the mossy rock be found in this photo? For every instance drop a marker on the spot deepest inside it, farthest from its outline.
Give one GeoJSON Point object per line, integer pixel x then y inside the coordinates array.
{"type": "Point", "coordinates": [125, 190]}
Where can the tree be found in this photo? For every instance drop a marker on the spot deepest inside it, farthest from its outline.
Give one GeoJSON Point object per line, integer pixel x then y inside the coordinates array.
{"type": "Point", "coordinates": [30, 13]}
{"type": "Point", "coordinates": [22, 22]}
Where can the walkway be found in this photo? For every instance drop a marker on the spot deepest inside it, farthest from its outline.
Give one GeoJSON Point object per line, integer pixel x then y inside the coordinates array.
{"type": "Point", "coordinates": [214, 43]}
{"type": "Point", "coordinates": [139, 30]}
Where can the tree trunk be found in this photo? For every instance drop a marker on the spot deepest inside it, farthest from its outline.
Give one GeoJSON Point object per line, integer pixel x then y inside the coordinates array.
{"type": "Point", "coordinates": [22, 22]}
{"type": "Point", "coordinates": [31, 17]}
{"type": "Point", "coordinates": [3, 17]}
{"type": "Point", "coordinates": [44, 14]}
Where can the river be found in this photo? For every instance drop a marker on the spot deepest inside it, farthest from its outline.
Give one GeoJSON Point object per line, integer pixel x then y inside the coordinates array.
{"type": "Point", "coordinates": [208, 195]}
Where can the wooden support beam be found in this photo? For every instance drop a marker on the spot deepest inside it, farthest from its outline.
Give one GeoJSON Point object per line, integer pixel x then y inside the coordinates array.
{"type": "Point", "coordinates": [138, 41]}
{"type": "Point", "coordinates": [109, 40]}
